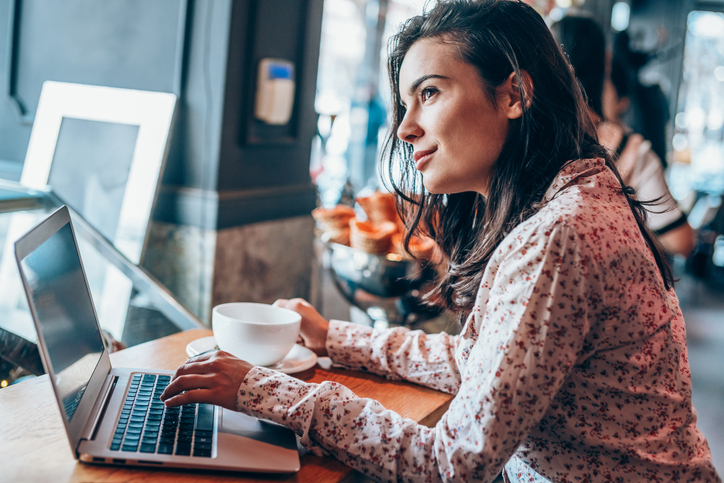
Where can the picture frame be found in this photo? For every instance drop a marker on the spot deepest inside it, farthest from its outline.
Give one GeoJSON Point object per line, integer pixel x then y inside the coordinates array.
{"type": "Point", "coordinates": [82, 149]}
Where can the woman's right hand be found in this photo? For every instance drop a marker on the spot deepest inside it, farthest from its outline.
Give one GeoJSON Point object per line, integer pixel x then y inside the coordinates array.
{"type": "Point", "coordinates": [314, 327]}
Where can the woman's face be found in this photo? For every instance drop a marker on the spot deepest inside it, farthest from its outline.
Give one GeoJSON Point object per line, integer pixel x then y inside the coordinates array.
{"type": "Point", "coordinates": [456, 131]}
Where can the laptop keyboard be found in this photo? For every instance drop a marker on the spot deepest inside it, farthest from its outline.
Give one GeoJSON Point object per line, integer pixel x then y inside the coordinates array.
{"type": "Point", "coordinates": [147, 426]}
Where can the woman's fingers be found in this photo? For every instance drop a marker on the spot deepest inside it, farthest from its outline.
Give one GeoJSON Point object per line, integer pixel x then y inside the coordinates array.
{"type": "Point", "coordinates": [208, 378]}
{"type": "Point", "coordinates": [314, 327]}
{"type": "Point", "coordinates": [187, 383]}
{"type": "Point", "coordinates": [192, 397]}
{"type": "Point", "coordinates": [196, 365]}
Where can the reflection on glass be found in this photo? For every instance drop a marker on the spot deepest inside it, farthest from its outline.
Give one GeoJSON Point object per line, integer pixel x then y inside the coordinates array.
{"type": "Point", "coordinates": [65, 315]}
{"type": "Point", "coordinates": [110, 289]}
{"type": "Point", "coordinates": [13, 304]}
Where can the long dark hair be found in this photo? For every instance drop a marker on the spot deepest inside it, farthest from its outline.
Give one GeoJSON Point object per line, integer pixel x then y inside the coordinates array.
{"type": "Point", "coordinates": [497, 37]}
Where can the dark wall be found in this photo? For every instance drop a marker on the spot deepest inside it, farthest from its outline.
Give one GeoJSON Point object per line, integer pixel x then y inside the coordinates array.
{"type": "Point", "coordinates": [224, 168]}
{"type": "Point", "coordinates": [265, 169]}
{"type": "Point", "coordinates": [121, 43]}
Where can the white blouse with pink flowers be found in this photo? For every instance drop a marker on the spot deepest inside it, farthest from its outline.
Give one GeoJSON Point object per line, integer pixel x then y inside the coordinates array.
{"type": "Point", "coordinates": [571, 367]}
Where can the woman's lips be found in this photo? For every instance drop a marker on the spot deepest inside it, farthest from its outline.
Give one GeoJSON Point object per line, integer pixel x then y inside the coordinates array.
{"type": "Point", "coordinates": [421, 157]}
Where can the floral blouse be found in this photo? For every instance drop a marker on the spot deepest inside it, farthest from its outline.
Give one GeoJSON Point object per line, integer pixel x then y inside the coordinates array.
{"type": "Point", "coordinates": [571, 367]}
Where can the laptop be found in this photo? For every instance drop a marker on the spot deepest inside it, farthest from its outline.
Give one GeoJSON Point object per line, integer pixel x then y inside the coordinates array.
{"type": "Point", "coordinates": [114, 415]}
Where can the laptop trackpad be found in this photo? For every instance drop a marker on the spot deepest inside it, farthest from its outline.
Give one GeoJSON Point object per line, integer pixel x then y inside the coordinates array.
{"type": "Point", "coordinates": [257, 441]}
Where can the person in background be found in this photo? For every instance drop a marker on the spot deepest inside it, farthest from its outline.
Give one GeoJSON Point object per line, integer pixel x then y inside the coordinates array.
{"type": "Point", "coordinates": [583, 41]}
{"type": "Point", "coordinates": [571, 363]}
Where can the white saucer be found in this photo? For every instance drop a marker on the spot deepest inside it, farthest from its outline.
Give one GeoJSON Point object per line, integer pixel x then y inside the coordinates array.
{"type": "Point", "coordinates": [299, 358]}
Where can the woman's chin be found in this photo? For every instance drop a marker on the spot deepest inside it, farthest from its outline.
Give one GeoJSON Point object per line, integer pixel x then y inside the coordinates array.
{"type": "Point", "coordinates": [432, 187]}
{"type": "Point", "coordinates": [439, 188]}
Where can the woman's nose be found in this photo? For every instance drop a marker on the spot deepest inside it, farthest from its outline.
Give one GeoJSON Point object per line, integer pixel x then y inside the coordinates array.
{"type": "Point", "coordinates": [409, 128]}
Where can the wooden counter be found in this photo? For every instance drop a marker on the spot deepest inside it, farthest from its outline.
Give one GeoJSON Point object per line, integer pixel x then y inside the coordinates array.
{"type": "Point", "coordinates": [34, 446]}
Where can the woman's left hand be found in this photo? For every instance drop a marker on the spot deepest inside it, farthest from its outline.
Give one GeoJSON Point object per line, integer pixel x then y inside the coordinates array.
{"type": "Point", "coordinates": [212, 378]}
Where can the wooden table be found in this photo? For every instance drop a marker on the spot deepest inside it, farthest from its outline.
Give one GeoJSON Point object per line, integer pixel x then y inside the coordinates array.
{"type": "Point", "coordinates": [34, 446]}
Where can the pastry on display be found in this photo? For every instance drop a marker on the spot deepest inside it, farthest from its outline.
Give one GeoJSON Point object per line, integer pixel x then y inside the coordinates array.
{"type": "Point", "coordinates": [381, 233]}
{"type": "Point", "coordinates": [379, 207]}
{"type": "Point", "coordinates": [371, 237]}
{"type": "Point", "coordinates": [335, 222]}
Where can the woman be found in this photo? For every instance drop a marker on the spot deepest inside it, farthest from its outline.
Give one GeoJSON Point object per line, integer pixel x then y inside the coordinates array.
{"type": "Point", "coordinates": [583, 41]}
{"type": "Point", "coordinates": [571, 364]}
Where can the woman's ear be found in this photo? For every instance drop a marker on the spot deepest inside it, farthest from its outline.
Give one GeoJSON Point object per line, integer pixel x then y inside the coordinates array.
{"type": "Point", "coordinates": [509, 95]}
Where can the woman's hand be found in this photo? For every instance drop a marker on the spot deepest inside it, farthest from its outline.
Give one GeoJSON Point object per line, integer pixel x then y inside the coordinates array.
{"type": "Point", "coordinates": [212, 378]}
{"type": "Point", "coordinates": [314, 327]}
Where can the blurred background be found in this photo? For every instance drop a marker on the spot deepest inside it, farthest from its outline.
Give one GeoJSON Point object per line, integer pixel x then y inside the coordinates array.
{"type": "Point", "coordinates": [232, 202]}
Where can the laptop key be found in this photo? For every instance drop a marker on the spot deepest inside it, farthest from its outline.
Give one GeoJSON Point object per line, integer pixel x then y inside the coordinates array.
{"type": "Point", "coordinates": [165, 448]}
{"type": "Point", "coordinates": [183, 449]}
{"type": "Point", "coordinates": [205, 418]}
{"type": "Point", "coordinates": [115, 447]}
{"type": "Point", "coordinates": [204, 453]}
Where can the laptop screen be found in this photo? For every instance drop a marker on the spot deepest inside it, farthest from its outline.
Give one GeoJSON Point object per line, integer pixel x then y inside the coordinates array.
{"type": "Point", "coordinates": [65, 315]}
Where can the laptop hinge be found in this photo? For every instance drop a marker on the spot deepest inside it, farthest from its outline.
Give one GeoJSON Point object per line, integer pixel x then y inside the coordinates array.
{"type": "Point", "coordinates": [99, 409]}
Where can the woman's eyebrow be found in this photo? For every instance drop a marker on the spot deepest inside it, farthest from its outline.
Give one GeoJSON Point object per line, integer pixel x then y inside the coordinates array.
{"type": "Point", "coordinates": [422, 79]}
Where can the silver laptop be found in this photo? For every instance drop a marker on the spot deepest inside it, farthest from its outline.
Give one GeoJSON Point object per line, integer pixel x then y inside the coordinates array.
{"type": "Point", "coordinates": [114, 415]}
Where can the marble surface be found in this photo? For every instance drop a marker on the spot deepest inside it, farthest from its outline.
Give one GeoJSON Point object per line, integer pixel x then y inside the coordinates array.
{"type": "Point", "coordinates": [181, 258]}
{"type": "Point", "coordinates": [260, 262]}
{"type": "Point", "coordinates": [265, 261]}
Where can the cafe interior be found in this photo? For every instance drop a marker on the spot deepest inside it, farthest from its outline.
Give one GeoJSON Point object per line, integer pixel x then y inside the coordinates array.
{"type": "Point", "coordinates": [207, 150]}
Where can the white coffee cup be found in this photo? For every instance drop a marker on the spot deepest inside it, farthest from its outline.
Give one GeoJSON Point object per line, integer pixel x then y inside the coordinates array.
{"type": "Point", "coordinates": [257, 333]}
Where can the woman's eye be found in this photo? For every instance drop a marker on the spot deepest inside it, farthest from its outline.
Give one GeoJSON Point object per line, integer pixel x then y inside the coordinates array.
{"type": "Point", "coordinates": [427, 93]}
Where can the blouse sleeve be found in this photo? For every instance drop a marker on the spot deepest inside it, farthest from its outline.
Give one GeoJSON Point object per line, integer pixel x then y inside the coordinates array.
{"type": "Point", "coordinates": [396, 353]}
{"type": "Point", "coordinates": [536, 320]}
